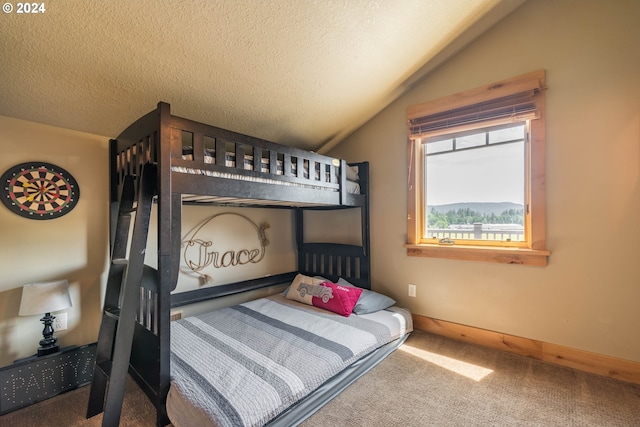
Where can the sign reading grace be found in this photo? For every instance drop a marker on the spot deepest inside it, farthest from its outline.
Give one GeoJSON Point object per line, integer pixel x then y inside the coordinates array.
{"type": "Point", "coordinates": [199, 253]}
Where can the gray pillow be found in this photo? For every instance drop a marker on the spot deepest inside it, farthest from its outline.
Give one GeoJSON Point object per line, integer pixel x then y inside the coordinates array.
{"type": "Point", "coordinates": [369, 301]}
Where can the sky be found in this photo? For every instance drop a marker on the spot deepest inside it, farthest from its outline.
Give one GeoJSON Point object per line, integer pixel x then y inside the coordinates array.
{"type": "Point", "coordinates": [490, 174]}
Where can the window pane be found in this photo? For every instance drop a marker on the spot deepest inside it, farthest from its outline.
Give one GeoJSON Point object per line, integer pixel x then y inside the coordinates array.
{"type": "Point", "coordinates": [477, 194]}
{"type": "Point", "coordinates": [508, 134]}
{"type": "Point", "coordinates": [439, 146]}
{"type": "Point", "coordinates": [468, 141]}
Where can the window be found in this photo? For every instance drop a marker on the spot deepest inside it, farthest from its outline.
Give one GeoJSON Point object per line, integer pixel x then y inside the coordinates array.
{"type": "Point", "coordinates": [474, 186]}
{"type": "Point", "coordinates": [476, 174]}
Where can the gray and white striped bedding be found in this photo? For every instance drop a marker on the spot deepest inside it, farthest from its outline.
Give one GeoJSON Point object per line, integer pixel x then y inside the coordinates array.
{"type": "Point", "coordinates": [243, 365]}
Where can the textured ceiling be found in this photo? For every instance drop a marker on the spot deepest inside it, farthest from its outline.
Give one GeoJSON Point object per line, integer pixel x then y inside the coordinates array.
{"type": "Point", "coordinates": [298, 72]}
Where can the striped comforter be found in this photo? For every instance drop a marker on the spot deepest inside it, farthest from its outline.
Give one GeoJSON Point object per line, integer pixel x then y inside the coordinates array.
{"type": "Point", "coordinates": [243, 365]}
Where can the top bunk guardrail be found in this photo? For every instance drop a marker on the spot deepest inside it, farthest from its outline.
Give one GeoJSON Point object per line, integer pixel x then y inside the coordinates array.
{"type": "Point", "coordinates": [208, 164]}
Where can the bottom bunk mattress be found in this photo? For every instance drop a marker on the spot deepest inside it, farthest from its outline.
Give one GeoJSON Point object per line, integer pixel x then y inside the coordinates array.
{"type": "Point", "coordinates": [244, 365]}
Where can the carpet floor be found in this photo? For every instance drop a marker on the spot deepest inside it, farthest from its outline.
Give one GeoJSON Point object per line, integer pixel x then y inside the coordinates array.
{"type": "Point", "coordinates": [429, 381]}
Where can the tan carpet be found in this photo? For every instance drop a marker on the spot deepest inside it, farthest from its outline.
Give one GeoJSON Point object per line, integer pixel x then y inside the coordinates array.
{"type": "Point", "coordinates": [450, 390]}
{"type": "Point", "coordinates": [69, 410]}
{"type": "Point", "coordinates": [430, 381]}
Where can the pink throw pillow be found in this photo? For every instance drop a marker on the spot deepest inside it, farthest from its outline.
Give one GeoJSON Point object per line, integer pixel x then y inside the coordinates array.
{"type": "Point", "coordinates": [329, 296]}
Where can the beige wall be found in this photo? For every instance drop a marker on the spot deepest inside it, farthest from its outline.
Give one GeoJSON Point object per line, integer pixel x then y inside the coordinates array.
{"type": "Point", "coordinates": [70, 247]}
{"type": "Point", "coordinates": [75, 246]}
{"type": "Point", "coordinates": [588, 295]}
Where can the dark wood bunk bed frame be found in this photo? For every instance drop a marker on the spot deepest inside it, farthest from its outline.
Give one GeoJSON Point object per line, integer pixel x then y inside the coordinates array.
{"type": "Point", "coordinates": [147, 165]}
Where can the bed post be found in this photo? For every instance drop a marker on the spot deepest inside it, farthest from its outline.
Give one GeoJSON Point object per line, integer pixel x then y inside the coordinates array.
{"type": "Point", "coordinates": [299, 228]}
{"type": "Point", "coordinates": [363, 171]}
{"type": "Point", "coordinates": [343, 181]}
{"type": "Point", "coordinates": [114, 191]}
{"type": "Point", "coordinates": [169, 220]}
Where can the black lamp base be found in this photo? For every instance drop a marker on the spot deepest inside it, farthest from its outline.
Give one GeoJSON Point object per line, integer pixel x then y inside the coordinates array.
{"type": "Point", "coordinates": [43, 351]}
{"type": "Point", "coordinates": [49, 343]}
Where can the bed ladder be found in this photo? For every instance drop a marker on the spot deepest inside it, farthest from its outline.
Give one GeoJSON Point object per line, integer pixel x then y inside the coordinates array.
{"type": "Point", "coordinates": [115, 338]}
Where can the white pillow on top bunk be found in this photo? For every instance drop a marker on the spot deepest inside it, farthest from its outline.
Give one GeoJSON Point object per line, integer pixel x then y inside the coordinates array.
{"type": "Point", "coordinates": [352, 173]}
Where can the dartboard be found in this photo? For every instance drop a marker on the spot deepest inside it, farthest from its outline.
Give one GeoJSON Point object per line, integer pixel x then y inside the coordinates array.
{"type": "Point", "coordinates": [39, 190]}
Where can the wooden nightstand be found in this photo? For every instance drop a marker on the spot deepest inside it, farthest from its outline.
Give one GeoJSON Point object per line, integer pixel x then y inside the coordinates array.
{"type": "Point", "coordinates": [38, 378]}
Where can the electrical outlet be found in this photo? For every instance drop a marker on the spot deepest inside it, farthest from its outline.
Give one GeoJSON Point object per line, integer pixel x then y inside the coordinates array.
{"type": "Point", "coordinates": [60, 322]}
{"type": "Point", "coordinates": [412, 290]}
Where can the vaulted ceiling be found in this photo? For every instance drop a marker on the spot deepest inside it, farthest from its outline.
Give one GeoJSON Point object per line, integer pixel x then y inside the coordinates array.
{"type": "Point", "coordinates": [305, 73]}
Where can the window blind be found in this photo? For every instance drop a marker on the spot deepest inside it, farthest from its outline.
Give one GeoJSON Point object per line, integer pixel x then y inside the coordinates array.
{"type": "Point", "coordinates": [514, 107]}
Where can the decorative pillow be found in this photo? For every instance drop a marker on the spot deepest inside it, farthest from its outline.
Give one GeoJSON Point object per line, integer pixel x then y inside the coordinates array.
{"type": "Point", "coordinates": [352, 173]}
{"type": "Point", "coordinates": [323, 294]}
{"type": "Point", "coordinates": [318, 280]}
{"type": "Point", "coordinates": [302, 278]}
{"type": "Point", "coordinates": [369, 301]}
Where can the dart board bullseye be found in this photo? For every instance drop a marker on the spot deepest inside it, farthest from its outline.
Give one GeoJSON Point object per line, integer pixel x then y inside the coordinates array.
{"type": "Point", "coordinates": [39, 190]}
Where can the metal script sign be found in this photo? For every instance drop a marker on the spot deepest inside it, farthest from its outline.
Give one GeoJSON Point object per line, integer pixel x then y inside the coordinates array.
{"type": "Point", "coordinates": [199, 251]}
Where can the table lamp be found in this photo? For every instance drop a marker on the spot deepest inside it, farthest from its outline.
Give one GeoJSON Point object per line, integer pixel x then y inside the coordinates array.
{"type": "Point", "coordinates": [44, 298]}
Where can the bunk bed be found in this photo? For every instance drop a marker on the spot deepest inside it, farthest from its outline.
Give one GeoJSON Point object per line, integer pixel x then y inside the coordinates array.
{"type": "Point", "coordinates": [179, 161]}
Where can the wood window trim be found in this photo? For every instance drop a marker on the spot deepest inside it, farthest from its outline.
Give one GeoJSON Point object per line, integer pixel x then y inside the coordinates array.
{"type": "Point", "coordinates": [503, 255]}
{"type": "Point", "coordinates": [535, 253]}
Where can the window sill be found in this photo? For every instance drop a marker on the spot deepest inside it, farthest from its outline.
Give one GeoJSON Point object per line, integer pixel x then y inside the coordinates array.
{"type": "Point", "coordinates": [501, 255]}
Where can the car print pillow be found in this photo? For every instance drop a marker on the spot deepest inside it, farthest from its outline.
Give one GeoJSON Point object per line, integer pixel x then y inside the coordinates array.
{"type": "Point", "coordinates": [324, 294]}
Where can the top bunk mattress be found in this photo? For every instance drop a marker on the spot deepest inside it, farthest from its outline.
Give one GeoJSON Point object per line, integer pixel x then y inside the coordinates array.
{"type": "Point", "coordinates": [244, 365]}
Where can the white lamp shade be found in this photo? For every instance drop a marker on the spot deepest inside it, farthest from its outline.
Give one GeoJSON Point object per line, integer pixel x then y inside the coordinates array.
{"type": "Point", "coordinates": [45, 297]}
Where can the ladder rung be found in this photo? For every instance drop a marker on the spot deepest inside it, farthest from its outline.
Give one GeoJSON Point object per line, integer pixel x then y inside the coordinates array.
{"type": "Point", "coordinates": [119, 261]}
{"type": "Point", "coordinates": [113, 313]}
{"type": "Point", "coordinates": [105, 367]}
